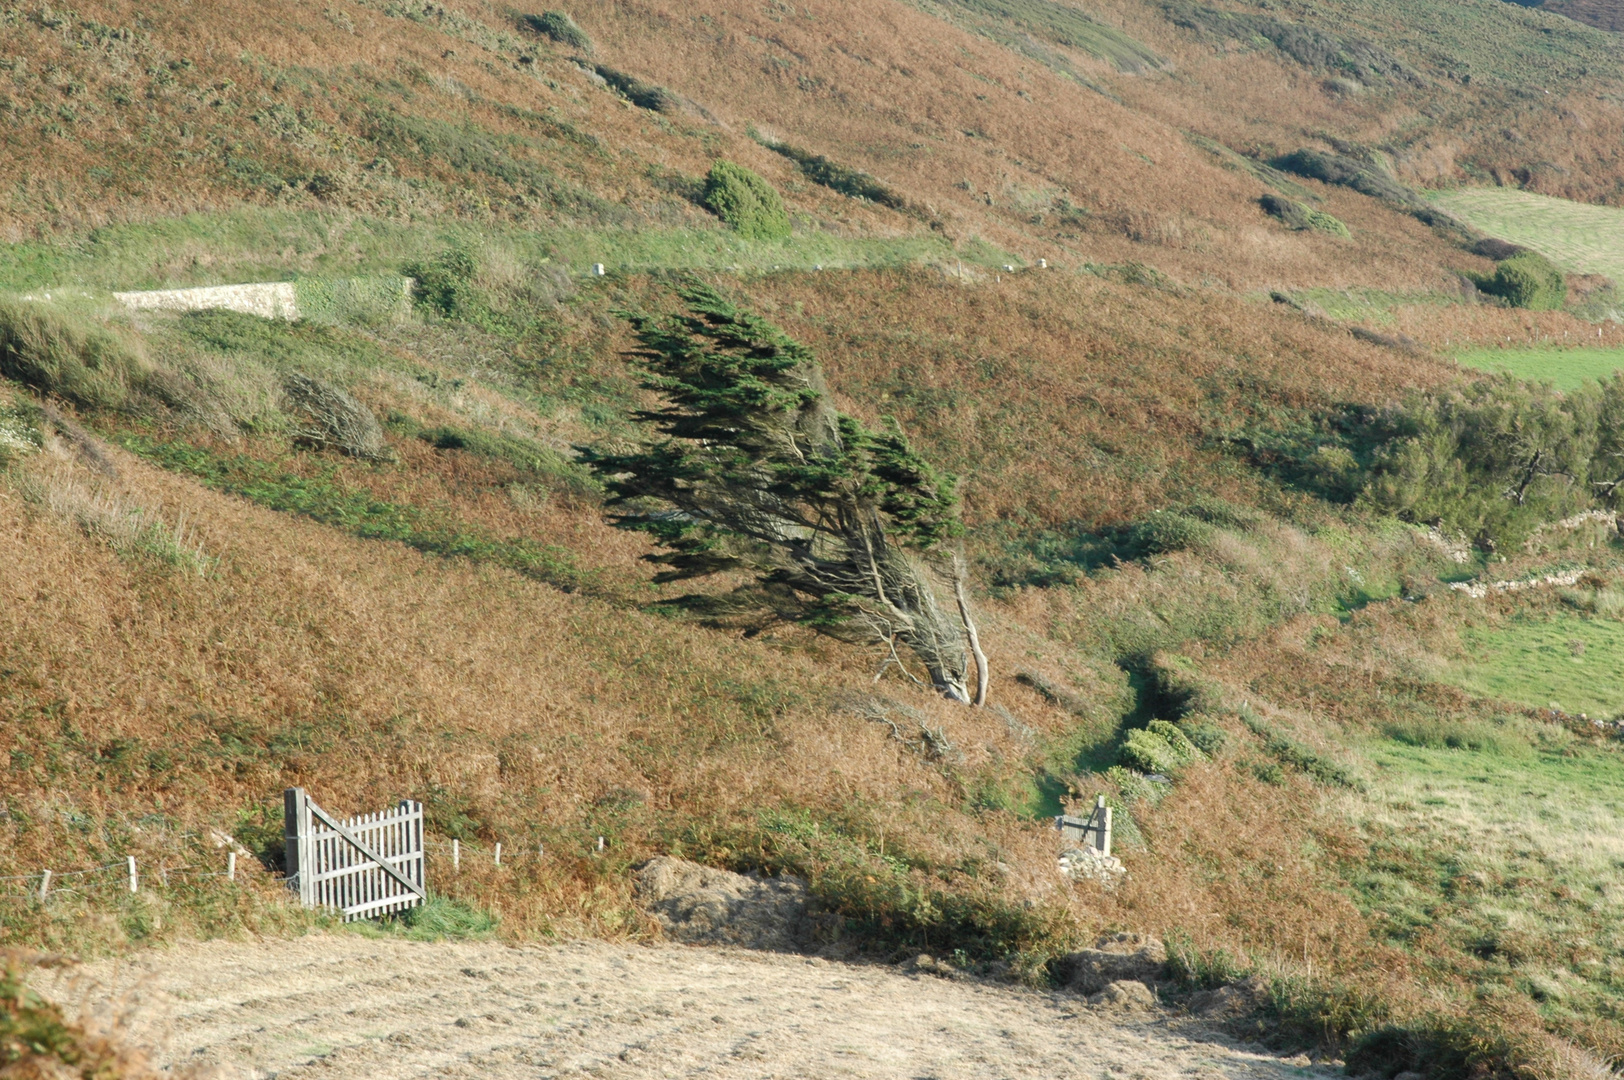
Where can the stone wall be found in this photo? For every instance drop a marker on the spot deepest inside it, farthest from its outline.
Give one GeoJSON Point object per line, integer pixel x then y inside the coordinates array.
{"type": "Point", "coordinates": [269, 300]}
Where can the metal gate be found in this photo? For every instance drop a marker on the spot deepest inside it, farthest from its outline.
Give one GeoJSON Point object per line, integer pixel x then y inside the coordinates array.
{"type": "Point", "coordinates": [366, 866]}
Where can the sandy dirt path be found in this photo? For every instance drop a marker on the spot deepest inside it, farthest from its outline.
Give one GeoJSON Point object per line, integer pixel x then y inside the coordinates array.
{"type": "Point", "coordinates": [341, 1006]}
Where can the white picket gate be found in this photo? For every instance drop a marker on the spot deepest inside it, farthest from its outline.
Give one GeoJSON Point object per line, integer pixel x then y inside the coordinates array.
{"type": "Point", "coordinates": [369, 865]}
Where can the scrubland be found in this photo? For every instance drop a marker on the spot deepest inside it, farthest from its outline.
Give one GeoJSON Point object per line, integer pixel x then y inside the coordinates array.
{"type": "Point", "coordinates": [1177, 561]}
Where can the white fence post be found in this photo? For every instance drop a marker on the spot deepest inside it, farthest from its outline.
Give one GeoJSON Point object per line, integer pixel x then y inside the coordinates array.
{"type": "Point", "coordinates": [231, 866]}
{"type": "Point", "coordinates": [456, 855]}
{"type": "Point", "coordinates": [133, 879]}
{"type": "Point", "coordinates": [498, 854]}
{"type": "Point", "coordinates": [44, 886]}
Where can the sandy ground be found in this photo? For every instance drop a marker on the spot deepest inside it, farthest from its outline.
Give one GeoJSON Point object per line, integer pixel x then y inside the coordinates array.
{"type": "Point", "coordinates": [341, 1006]}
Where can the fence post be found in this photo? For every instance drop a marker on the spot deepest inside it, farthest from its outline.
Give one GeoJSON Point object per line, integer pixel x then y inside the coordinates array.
{"type": "Point", "coordinates": [44, 886]}
{"type": "Point", "coordinates": [456, 855]}
{"type": "Point", "coordinates": [296, 841]}
{"type": "Point", "coordinates": [133, 880]}
{"type": "Point", "coordinates": [231, 866]}
{"type": "Point", "coordinates": [498, 854]}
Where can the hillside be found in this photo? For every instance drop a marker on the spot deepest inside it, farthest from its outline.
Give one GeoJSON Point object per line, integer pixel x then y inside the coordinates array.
{"type": "Point", "coordinates": [1190, 301]}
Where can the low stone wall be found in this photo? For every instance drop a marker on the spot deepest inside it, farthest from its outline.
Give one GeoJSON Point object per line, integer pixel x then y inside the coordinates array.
{"type": "Point", "coordinates": [268, 300]}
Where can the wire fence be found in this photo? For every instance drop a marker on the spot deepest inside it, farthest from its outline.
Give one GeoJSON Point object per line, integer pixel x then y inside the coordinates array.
{"type": "Point", "coordinates": [130, 875]}
{"type": "Point", "coordinates": [123, 875]}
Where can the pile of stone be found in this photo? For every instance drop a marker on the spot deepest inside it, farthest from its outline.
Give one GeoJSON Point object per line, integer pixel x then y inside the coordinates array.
{"type": "Point", "coordinates": [1090, 864]}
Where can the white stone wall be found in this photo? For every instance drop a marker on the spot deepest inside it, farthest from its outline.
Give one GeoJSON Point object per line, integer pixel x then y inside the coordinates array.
{"type": "Point", "coordinates": [269, 300]}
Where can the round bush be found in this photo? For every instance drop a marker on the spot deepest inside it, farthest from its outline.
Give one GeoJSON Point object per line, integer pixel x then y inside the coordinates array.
{"type": "Point", "coordinates": [746, 201]}
{"type": "Point", "coordinates": [1529, 281]}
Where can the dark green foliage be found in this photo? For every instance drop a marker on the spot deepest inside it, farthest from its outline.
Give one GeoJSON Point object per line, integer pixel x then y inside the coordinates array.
{"type": "Point", "coordinates": [1159, 747]}
{"type": "Point", "coordinates": [560, 27]}
{"type": "Point", "coordinates": [1305, 44]}
{"type": "Point", "coordinates": [757, 471]}
{"type": "Point", "coordinates": [1295, 215]}
{"type": "Point", "coordinates": [1169, 530]}
{"type": "Point", "coordinates": [838, 177]}
{"type": "Point", "coordinates": [441, 918]}
{"type": "Point", "coordinates": [1527, 279]}
{"type": "Point", "coordinates": [1347, 172]}
{"type": "Point", "coordinates": [746, 201]}
{"type": "Point", "coordinates": [445, 285]}
{"type": "Point", "coordinates": [643, 95]}
{"type": "Point", "coordinates": [1499, 458]}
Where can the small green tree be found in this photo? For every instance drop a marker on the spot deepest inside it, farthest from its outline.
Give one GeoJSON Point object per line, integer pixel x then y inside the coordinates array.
{"type": "Point", "coordinates": [746, 201]}
{"type": "Point", "coordinates": [758, 472]}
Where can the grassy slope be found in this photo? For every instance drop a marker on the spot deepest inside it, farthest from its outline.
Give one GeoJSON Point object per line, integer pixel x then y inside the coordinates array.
{"type": "Point", "coordinates": [531, 688]}
{"type": "Point", "coordinates": [1567, 368]}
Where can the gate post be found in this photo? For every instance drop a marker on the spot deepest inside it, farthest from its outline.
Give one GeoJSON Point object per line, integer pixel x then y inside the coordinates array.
{"type": "Point", "coordinates": [296, 843]}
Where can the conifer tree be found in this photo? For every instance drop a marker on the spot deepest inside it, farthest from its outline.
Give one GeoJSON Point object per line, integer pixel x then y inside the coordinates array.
{"type": "Point", "coordinates": [756, 471]}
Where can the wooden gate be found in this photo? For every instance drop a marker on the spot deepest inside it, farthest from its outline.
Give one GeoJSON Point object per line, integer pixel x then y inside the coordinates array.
{"type": "Point", "coordinates": [1094, 831]}
{"type": "Point", "coordinates": [367, 866]}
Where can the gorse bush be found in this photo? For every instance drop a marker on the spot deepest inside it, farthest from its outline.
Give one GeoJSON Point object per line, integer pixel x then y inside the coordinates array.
{"type": "Point", "coordinates": [1526, 280]}
{"type": "Point", "coordinates": [746, 201]}
{"type": "Point", "coordinates": [446, 285]}
{"type": "Point", "coordinates": [561, 28]}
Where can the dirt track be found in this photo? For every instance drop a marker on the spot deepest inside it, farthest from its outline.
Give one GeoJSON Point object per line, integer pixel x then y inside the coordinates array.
{"type": "Point", "coordinates": [342, 1006]}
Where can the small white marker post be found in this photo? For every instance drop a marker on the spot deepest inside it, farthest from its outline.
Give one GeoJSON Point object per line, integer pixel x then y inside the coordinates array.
{"type": "Point", "coordinates": [597, 270]}
{"type": "Point", "coordinates": [456, 855]}
{"type": "Point", "coordinates": [133, 879]}
{"type": "Point", "coordinates": [231, 866]}
{"type": "Point", "coordinates": [541, 851]}
{"type": "Point", "coordinates": [44, 886]}
{"type": "Point", "coordinates": [498, 854]}
{"type": "Point", "coordinates": [600, 845]}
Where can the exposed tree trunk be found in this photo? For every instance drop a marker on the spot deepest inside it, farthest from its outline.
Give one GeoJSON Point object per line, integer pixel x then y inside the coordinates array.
{"type": "Point", "coordinates": [970, 629]}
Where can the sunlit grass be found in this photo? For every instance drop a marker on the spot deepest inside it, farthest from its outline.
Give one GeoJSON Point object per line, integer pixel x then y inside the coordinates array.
{"type": "Point", "coordinates": [1578, 237]}
{"type": "Point", "coordinates": [1568, 662]}
{"type": "Point", "coordinates": [1567, 368]}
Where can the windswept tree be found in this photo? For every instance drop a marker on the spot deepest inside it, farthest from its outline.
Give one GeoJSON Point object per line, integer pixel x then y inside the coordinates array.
{"type": "Point", "coordinates": [756, 471]}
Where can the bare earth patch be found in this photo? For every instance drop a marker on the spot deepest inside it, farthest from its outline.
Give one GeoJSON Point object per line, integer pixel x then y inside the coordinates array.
{"type": "Point", "coordinates": [340, 1006]}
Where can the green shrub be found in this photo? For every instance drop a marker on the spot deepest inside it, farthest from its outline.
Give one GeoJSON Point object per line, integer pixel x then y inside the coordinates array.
{"type": "Point", "coordinates": [445, 284]}
{"type": "Point", "coordinates": [84, 363]}
{"type": "Point", "coordinates": [1169, 530]}
{"type": "Point", "coordinates": [1527, 281]}
{"type": "Point", "coordinates": [1160, 747]}
{"type": "Point", "coordinates": [1295, 215]}
{"type": "Point", "coordinates": [746, 201]}
{"type": "Point", "coordinates": [561, 28]}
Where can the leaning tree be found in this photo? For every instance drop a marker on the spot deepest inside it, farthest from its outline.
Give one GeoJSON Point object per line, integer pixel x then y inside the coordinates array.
{"type": "Point", "coordinates": [754, 470]}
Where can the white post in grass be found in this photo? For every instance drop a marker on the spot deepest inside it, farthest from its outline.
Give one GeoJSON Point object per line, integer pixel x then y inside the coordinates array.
{"type": "Point", "coordinates": [498, 854]}
{"type": "Point", "coordinates": [600, 845]}
{"type": "Point", "coordinates": [541, 851]}
{"type": "Point", "coordinates": [133, 879]}
{"type": "Point", "coordinates": [597, 270]}
{"type": "Point", "coordinates": [231, 866]}
{"type": "Point", "coordinates": [456, 855]}
{"type": "Point", "coordinates": [44, 886]}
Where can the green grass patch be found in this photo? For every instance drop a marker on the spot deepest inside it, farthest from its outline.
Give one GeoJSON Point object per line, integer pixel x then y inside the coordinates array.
{"type": "Point", "coordinates": [440, 918]}
{"type": "Point", "coordinates": [1578, 237]}
{"type": "Point", "coordinates": [1570, 661]}
{"type": "Point", "coordinates": [1061, 24]}
{"type": "Point", "coordinates": [254, 244]}
{"type": "Point", "coordinates": [1501, 839]}
{"type": "Point", "coordinates": [1567, 368]}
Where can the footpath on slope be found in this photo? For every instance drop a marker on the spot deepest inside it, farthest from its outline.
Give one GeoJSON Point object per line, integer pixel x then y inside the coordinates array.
{"type": "Point", "coordinates": [341, 1005]}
